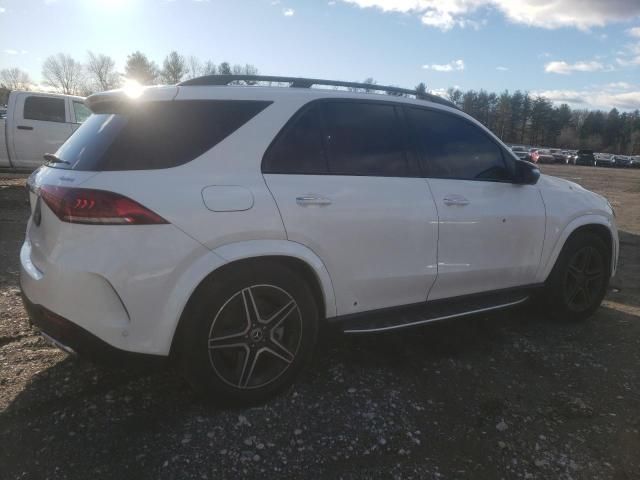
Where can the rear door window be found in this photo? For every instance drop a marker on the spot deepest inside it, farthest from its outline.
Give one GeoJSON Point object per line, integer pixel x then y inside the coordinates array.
{"type": "Point", "coordinates": [46, 109]}
{"type": "Point", "coordinates": [154, 135]}
{"type": "Point", "coordinates": [80, 111]}
{"type": "Point", "coordinates": [452, 147]}
{"type": "Point", "coordinates": [364, 138]}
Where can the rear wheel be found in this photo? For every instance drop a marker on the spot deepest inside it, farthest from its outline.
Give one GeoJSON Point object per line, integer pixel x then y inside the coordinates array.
{"type": "Point", "coordinates": [249, 333]}
{"type": "Point", "coordinates": [579, 280]}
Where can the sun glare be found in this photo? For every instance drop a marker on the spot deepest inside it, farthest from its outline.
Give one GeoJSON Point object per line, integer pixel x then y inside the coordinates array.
{"type": "Point", "coordinates": [132, 88]}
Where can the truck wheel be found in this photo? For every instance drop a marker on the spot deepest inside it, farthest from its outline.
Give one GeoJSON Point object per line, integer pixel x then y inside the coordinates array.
{"type": "Point", "coordinates": [579, 279]}
{"type": "Point", "coordinates": [248, 333]}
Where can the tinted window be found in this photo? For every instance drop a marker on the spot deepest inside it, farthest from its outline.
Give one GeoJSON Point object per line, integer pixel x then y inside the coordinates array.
{"type": "Point", "coordinates": [44, 108]}
{"type": "Point", "coordinates": [364, 139]}
{"type": "Point", "coordinates": [81, 111]}
{"type": "Point", "coordinates": [154, 135]}
{"type": "Point", "coordinates": [299, 148]}
{"type": "Point", "coordinates": [452, 147]}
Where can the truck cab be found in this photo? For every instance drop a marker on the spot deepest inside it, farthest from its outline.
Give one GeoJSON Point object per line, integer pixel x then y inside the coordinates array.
{"type": "Point", "coordinates": [37, 123]}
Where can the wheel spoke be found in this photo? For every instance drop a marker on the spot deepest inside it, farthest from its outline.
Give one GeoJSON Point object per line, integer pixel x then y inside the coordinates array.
{"type": "Point", "coordinates": [281, 315]}
{"type": "Point", "coordinates": [248, 366]}
{"type": "Point", "coordinates": [250, 307]}
{"type": "Point", "coordinates": [573, 270]}
{"type": "Point", "coordinates": [276, 349]}
{"type": "Point", "coordinates": [586, 261]}
{"type": "Point", "coordinates": [227, 341]}
{"type": "Point", "coordinates": [573, 294]}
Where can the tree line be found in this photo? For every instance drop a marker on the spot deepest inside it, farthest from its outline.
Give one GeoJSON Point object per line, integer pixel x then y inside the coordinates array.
{"type": "Point", "coordinates": [520, 118]}
{"type": "Point", "coordinates": [516, 117]}
{"type": "Point", "coordinates": [70, 76]}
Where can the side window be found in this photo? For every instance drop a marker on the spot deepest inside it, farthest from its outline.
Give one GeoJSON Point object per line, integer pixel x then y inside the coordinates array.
{"type": "Point", "coordinates": [47, 109]}
{"type": "Point", "coordinates": [299, 148]}
{"type": "Point", "coordinates": [452, 147]}
{"type": "Point", "coordinates": [364, 139]}
{"type": "Point", "coordinates": [81, 111]}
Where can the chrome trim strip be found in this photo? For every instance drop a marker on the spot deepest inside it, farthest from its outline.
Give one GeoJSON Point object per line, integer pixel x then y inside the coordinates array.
{"type": "Point", "coordinates": [59, 345]}
{"type": "Point", "coordinates": [437, 319]}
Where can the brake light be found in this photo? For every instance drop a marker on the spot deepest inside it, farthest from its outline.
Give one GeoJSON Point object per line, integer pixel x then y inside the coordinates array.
{"type": "Point", "coordinates": [96, 207]}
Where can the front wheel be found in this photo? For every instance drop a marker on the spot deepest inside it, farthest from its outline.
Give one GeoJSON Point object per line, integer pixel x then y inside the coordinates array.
{"type": "Point", "coordinates": [579, 280]}
{"type": "Point", "coordinates": [248, 333]}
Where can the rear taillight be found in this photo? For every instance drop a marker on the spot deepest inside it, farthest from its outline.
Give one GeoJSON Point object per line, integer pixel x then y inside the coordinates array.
{"type": "Point", "coordinates": [96, 207]}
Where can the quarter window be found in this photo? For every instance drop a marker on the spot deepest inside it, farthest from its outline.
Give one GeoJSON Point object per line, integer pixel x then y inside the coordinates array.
{"type": "Point", "coordinates": [46, 109]}
{"type": "Point", "coordinates": [452, 147]}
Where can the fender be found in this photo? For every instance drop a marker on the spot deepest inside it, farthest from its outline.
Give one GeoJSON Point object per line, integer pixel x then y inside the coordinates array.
{"type": "Point", "coordinates": [260, 248]}
{"type": "Point", "coordinates": [590, 219]}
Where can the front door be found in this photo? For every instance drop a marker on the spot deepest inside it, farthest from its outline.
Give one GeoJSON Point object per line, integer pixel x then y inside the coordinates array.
{"type": "Point", "coordinates": [491, 231]}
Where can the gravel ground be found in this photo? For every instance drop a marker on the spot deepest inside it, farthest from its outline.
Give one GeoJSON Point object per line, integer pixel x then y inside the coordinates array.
{"type": "Point", "coordinates": [508, 395]}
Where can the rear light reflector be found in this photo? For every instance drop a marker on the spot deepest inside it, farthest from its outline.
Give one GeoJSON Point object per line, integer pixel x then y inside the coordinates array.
{"type": "Point", "coordinates": [96, 207]}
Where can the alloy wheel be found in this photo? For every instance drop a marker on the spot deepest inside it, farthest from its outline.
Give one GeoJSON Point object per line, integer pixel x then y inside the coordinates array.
{"type": "Point", "coordinates": [255, 336]}
{"type": "Point", "coordinates": [584, 279]}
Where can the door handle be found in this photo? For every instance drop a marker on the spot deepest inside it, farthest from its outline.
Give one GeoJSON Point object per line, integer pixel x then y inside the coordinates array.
{"type": "Point", "coordinates": [455, 201]}
{"type": "Point", "coordinates": [24, 127]}
{"type": "Point", "coordinates": [305, 200]}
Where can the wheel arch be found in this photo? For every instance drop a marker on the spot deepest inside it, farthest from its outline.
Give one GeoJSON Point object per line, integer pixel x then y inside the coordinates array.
{"type": "Point", "coordinates": [293, 255]}
{"type": "Point", "coordinates": [596, 224]}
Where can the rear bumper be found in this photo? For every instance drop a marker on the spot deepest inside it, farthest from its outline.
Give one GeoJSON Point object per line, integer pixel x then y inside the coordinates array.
{"type": "Point", "coordinates": [75, 340]}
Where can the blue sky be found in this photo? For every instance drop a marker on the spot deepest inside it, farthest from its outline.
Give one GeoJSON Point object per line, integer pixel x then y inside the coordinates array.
{"type": "Point", "coordinates": [586, 52]}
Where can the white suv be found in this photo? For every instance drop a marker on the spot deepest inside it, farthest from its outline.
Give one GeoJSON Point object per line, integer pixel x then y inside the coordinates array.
{"type": "Point", "coordinates": [222, 226]}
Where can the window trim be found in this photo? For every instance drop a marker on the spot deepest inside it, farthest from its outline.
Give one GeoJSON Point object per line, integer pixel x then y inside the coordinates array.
{"type": "Point", "coordinates": [46, 97]}
{"type": "Point", "coordinates": [509, 166]}
{"type": "Point", "coordinates": [412, 163]}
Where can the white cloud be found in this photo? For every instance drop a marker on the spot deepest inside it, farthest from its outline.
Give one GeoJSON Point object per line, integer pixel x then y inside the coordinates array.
{"type": "Point", "coordinates": [446, 14]}
{"type": "Point", "coordinates": [502, 69]}
{"type": "Point", "coordinates": [634, 32]}
{"type": "Point", "coordinates": [11, 51]}
{"type": "Point", "coordinates": [2, 9]}
{"type": "Point", "coordinates": [288, 12]}
{"type": "Point", "coordinates": [564, 68]}
{"type": "Point", "coordinates": [454, 65]}
{"type": "Point", "coordinates": [603, 98]}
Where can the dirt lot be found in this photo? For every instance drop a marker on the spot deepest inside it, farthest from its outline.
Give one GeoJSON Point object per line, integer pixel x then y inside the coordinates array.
{"type": "Point", "coordinates": [510, 395]}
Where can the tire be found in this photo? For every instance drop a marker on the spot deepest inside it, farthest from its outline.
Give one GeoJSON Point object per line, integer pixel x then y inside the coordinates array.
{"type": "Point", "coordinates": [248, 333]}
{"type": "Point", "coordinates": [578, 282]}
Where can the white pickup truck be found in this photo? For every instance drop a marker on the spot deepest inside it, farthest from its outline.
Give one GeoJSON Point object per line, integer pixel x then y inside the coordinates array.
{"type": "Point", "coordinates": [35, 124]}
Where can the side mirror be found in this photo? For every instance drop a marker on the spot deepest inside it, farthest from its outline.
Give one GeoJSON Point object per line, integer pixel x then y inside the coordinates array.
{"type": "Point", "coordinates": [526, 173]}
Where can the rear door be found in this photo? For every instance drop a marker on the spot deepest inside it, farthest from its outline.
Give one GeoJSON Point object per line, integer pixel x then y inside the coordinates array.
{"type": "Point", "coordinates": [348, 189]}
{"type": "Point", "coordinates": [40, 126]}
{"type": "Point", "coordinates": [491, 231]}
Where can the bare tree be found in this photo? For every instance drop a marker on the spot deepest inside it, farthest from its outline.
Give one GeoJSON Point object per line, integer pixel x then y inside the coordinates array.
{"type": "Point", "coordinates": [101, 70]}
{"type": "Point", "coordinates": [64, 73]}
{"type": "Point", "coordinates": [174, 68]}
{"type": "Point", "coordinates": [15, 79]}
{"type": "Point", "coordinates": [209, 68]}
{"type": "Point", "coordinates": [194, 67]}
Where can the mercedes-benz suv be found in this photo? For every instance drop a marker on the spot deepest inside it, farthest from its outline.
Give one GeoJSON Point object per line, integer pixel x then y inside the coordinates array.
{"type": "Point", "coordinates": [221, 226]}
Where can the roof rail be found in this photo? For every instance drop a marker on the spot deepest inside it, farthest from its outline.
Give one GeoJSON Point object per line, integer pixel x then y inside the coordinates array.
{"type": "Point", "coordinates": [297, 82]}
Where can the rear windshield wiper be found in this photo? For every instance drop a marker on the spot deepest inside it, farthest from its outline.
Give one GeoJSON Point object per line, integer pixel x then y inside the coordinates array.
{"type": "Point", "coordinates": [51, 158]}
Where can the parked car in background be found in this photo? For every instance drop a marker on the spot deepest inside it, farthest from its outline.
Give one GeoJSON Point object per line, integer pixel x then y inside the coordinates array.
{"type": "Point", "coordinates": [276, 232]}
{"type": "Point", "coordinates": [3, 112]}
{"type": "Point", "coordinates": [635, 161]}
{"type": "Point", "coordinates": [545, 156]}
{"type": "Point", "coordinates": [585, 157]}
{"type": "Point", "coordinates": [35, 124]}
{"type": "Point", "coordinates": [605, 160]}
{"type": "Point", "coordinates": [521, 152]}
{"type": "Point", "coordinates": [622, 161]}
{"type": "Point", "coordinates": [559, 156]}
{"type": "Point", "coordinates": [573, 154]}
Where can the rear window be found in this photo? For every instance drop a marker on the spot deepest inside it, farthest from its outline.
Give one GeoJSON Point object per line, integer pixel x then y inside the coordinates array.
{"type": "Point", "coordinates": [155, 135]}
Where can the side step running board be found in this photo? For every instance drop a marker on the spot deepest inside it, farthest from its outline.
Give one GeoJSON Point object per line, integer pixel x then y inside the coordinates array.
{"type": "Point", "coordinates": [413, 315]}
